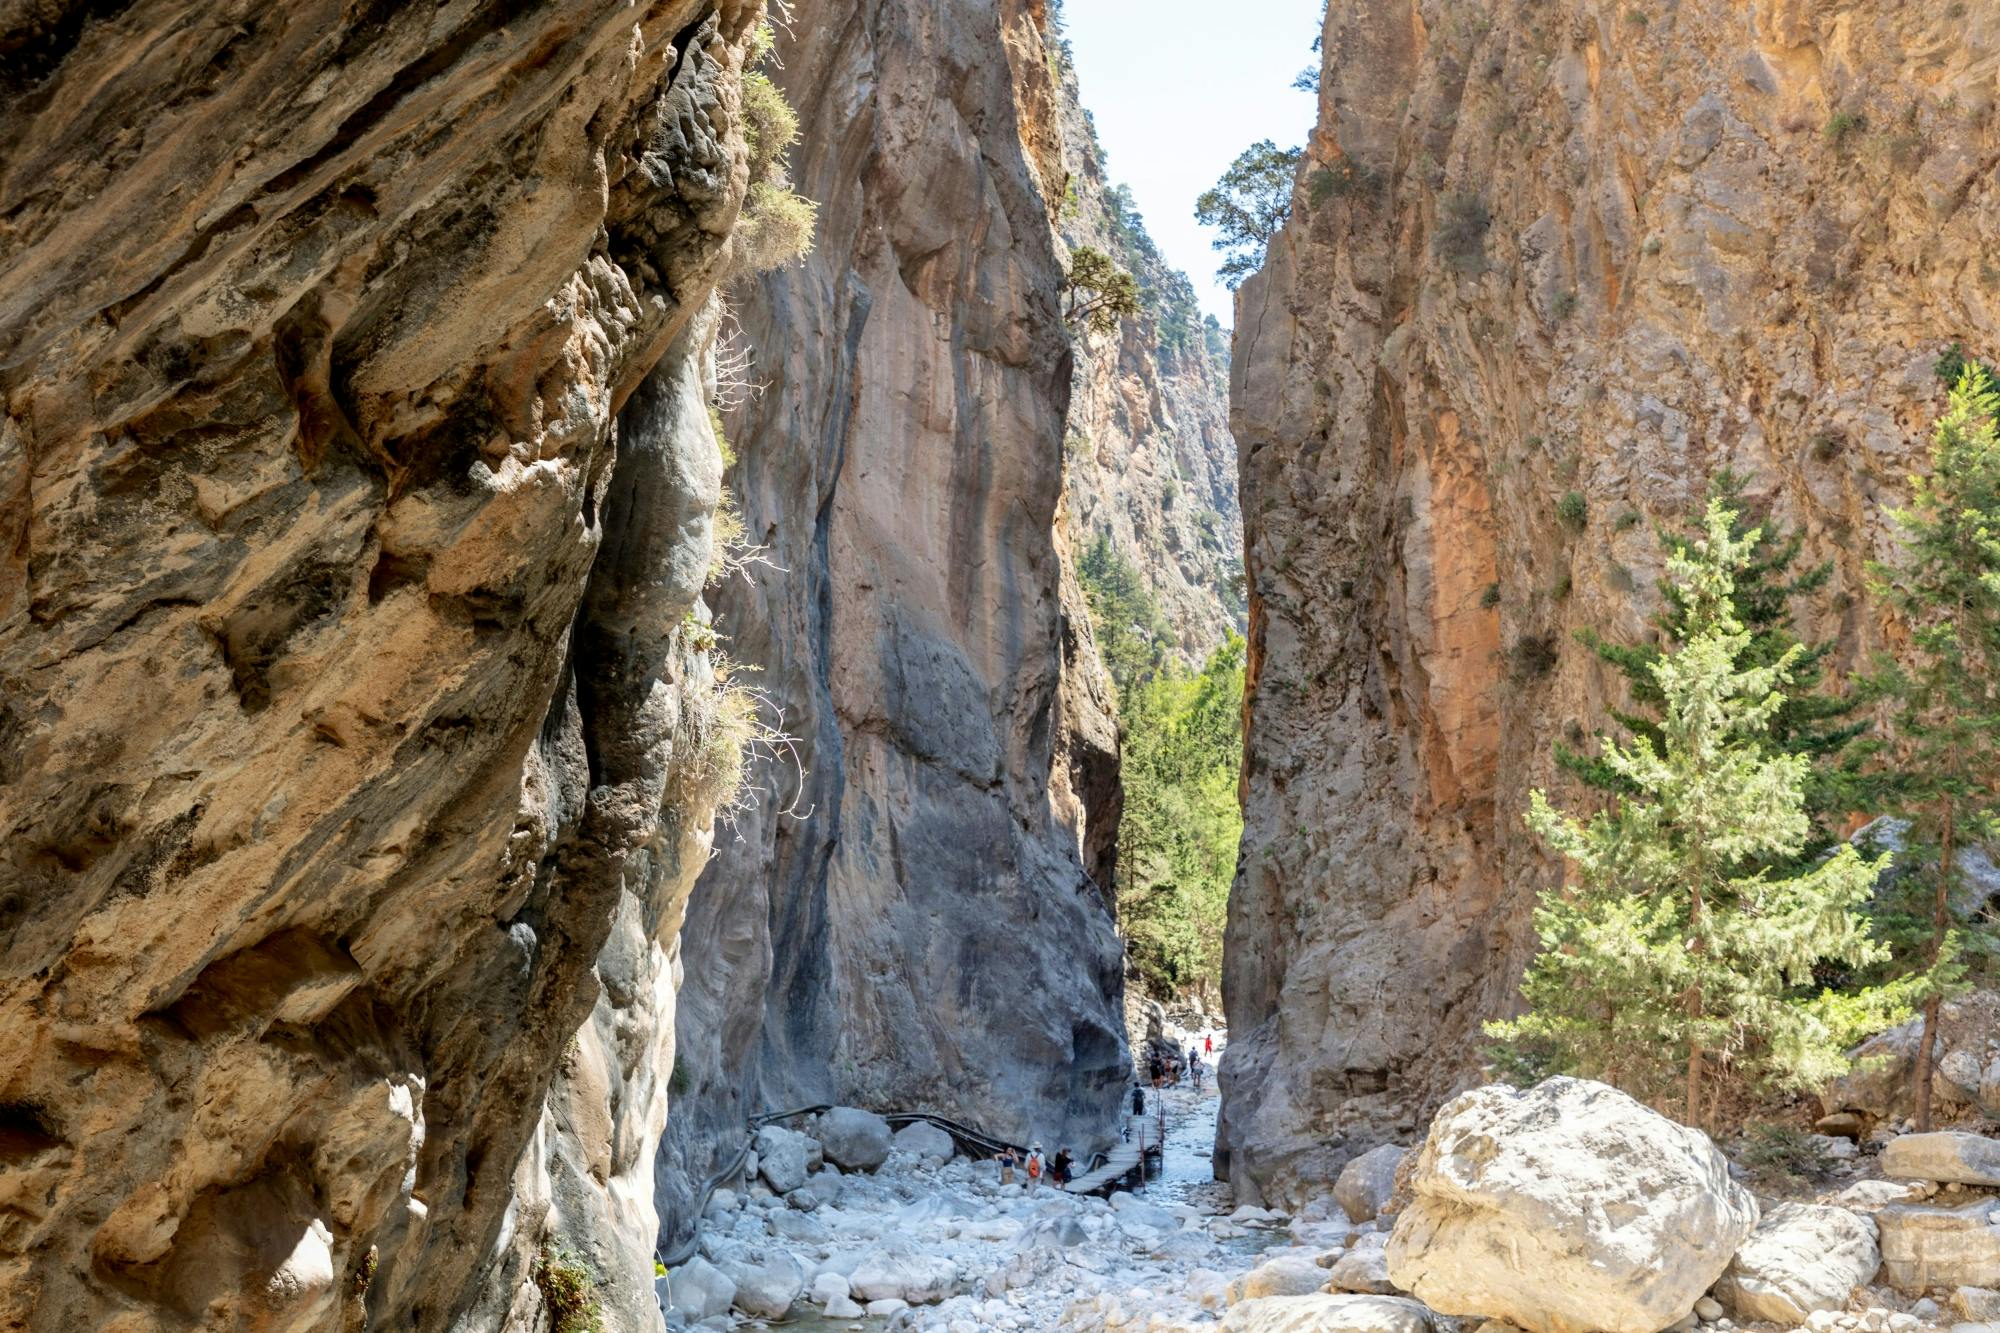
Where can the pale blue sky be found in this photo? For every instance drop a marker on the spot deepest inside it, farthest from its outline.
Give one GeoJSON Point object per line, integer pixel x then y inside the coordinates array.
{"type": "Point", "coordinates": [1179, 88]}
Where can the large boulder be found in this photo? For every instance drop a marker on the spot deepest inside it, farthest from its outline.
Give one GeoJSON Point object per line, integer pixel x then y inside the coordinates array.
{"type": "Point", "coordinates": [1567, 1208]}
{"type": "Point", "coordinates": [920, 1279]}
{"type": "Point", "coordinates": [1367, 1182]}
{"type": "Point", "coordinates": [766, 1283]}
{"type": "Point", "coordinates": [1968, 1159]}
{"type": "Point", "coordinates": [926, 1142]}
{"type": "Point", "coordinates": [1364, 1268]}
{"type": "Point", "coordinates": [1328, 1314]}
{"type": "Point", "coordinates": [853, 1139]}
{"type": "Point", "coordinates": [1925, 1246]}
{"type": "Point", "coordinates": [1802, 1257]}
{"type": "Point", "coordinates": [697, 1290]}
{"type": "Point", "coordinates": [784, 1157]}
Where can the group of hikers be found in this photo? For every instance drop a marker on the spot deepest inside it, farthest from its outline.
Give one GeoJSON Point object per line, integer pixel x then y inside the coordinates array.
{"type": "Point", "coordinates": [1057, 1171]}
{"type": "Point", "coordinates": [1040, 1169]}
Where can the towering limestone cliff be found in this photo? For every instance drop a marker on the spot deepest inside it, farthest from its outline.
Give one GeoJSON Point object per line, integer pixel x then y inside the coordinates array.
{"type": "Point", "coordinates": [905, 918]}
{"type": "Point", "coordinates": [1151, 465]}
{"type": "Point", "coordinates": [1539, 250]}
{"type": "Point", "coordinates": [357, 731]}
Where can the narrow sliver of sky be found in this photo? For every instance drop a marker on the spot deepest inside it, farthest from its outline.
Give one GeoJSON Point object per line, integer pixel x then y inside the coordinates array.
{"type": "Point", "coordinates": [1178, 89]}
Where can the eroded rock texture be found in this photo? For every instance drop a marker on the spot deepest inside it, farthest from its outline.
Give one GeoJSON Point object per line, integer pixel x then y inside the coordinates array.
{"type": "Point", "coordinates": [355, 494]}
{"type": "Point", "coordinates": [909, 923]}
{"type": "Point", "coordinates": [1540, 249]}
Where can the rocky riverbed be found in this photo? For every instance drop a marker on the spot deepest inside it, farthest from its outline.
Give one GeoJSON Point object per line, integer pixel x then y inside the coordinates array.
{"type": "Point", "coordinates": [845, 1227]}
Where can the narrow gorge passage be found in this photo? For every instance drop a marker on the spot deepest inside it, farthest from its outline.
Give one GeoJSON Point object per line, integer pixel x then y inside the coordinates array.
{"type": "Point", "coordinates": [659, 656]}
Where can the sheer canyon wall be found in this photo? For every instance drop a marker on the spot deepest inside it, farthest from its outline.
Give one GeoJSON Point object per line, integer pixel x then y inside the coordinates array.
{"type": "Point", "coordinates": [356, 485]}
{"type": "Point", "coordinates": [1538, 249]}
{"type": "Point", "coordinates": [906, 917]}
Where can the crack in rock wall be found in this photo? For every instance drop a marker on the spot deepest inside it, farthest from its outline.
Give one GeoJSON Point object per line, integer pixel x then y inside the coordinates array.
{"type": "Point", "coordinates": [355, 499]}
{"type": "Point", "coordinates": [1534, 250]}
{"type": "Point", "coordinates": [910, 923]}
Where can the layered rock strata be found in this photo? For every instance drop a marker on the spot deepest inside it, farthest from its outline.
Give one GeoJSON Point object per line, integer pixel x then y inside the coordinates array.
{"type": "Point", "coordinates": [356, 483]}
{"type": "Point", "coordinates": [905, 919]}
{"type": "Point", "coordinates": [1547, 269]}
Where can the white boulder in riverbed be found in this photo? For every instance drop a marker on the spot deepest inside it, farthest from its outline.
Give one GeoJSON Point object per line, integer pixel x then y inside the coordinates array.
{"type": "Point", "coordinates": [1802, 1257]}
{"type": "Point", "coordinates": [1968, 1159]}
{"type": "Point", "coordinates": [920, 1279]}
{"type": "Point", "coordinates": [1925, 1246]}
{"type": "Point", "coordinates": [766, 1283]}
{"type": "Point", "coordinates": [1328, 1314]}
{"type": "Point", "coordinates": [783, 1157]}
{"type": "Point", "coordinates": [1284, 1275]}
{"type": "Point", "coordinates": [696, 1290]}
{"type": "Point", "coordinates": [1365, 1184]}
{"type": "Point", "coordinates": [854, 1140]}
{"type": "Point", "coordinates": [1364, 1268]}
{"type": "Point", "coordinates": [1566, 1208]}
{"type": "Point", "coordinates": [926, 1142]}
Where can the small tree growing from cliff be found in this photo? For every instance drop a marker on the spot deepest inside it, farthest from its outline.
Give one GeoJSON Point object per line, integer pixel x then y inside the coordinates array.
{"type": "Point", "coordinates": [1097, 293]}
{"type": "Point", "coordinates": [1677, 957]}
{"type": "Point", "coordinates": [1946, 718]}
{"type": "Point", "coordinates": [1248, 206]}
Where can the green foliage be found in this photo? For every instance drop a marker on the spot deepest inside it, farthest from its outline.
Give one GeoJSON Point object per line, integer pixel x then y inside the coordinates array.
{"type": "Point", "coordinates": [1532, 657]}
{"type": "Point", "coordinates": [722, 444]}
{"type": "Point", "coordinates": [1783, 1155]}
{"type": "Point", "coordinates": [1952, 364]}
{"type": "Point", "coordinates": [1843, 125]}
{"type": "Point", "coordinates": [1946, 695]}
{"type": "Point", "coordinates": [1812, 722]}
{"type": "Point", "coordinates": [1564, 305]}
{"type": "Point", "coordinates": [1248, 206]}
{"type": "Point", "coordinates": [1676, 956]}
{"type": "Point", "coordinates": [1345, 179]}
{"type": "Point", "coordinates": [1132, 632]}
{"type": "Point", "coordinates": [1491, 597]}
{"type": "Point", "coordinates": [774, 229]}
{"type": "Point", "coordinates": [1463, 221]}
{"type": "Point", "coordinates": [770, 126]}
{"type": "Point", "coordinates": [1097, 294]}
{"type": "Point", "coordinates": [1573, 510]}
{"type": "Point", "coordinates": [569, 1290]}
{"type": "Point", "coordinates": [1177, 838]}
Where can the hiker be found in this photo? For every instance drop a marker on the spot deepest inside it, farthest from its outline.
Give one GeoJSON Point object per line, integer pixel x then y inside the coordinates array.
{"type": "Point", "coordinates": [1208, 1043]}
{"type": "Point", "coordinates": [1062, 1169]}
{"type": "Point", "coordinates": [1007, 1162]}
{"type": "Point", "coordinates": [1035, 1166]}
{"type": "Point", "coordinates": [1138, 1100]}
{"type": "Point", "coordinates": [1194, 1070]}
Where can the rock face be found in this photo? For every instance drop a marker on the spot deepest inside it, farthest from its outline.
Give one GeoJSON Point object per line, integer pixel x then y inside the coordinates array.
{"type": "Point", "coordinates": [1802, 1257]}
{"type": "Point", "coordinates": [1566, 1208]}
{"type": "Point", "coordinates": [1968, 1048]}
{"type": "Point", "coordinates": [1150, 465]}
{"type": "Point", "coordinates": [906, 919]}
{"type": "Point", "coordinates": [355, 495]}
{"type": "Point", "coordinates": [1537, 250]}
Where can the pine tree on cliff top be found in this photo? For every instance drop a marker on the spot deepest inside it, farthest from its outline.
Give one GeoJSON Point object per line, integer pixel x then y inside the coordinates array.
{"type": "Point", "coordinates": [1812, 721]}
{"type": "Point", "coordinates": [1946, 719]}
{"type": "Point", "coordinates": [1676, 958]}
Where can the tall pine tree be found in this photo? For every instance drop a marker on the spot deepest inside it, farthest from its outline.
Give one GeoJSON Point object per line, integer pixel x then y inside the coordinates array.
{"type": "Point", "coordinates": [1813, 721]}
{"type": "Point", "coordinates": [1946, 696]}
{"type": "Point", "coordinates": [1679, 955]}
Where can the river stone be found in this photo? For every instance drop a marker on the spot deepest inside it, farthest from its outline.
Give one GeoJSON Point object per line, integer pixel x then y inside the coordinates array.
{"type": "Point", "coordinates": [1567, 1208]}
{"type": "Point", "coordinates": [853, 1139]}
{"type": "Point", "coordinates": [926, 1142]}
{"type": "Point", "coordinates": [1328, 1314]}
{"type": "Point", "coordinates": [1364, 1268]}
{"type": "Point", "coordinates": [1969, 1159]}
{"type": "Point", "coordinates": [1802, 1257]}
{"type": "Point", "coordinates": [1366, 1183]}
{"type": "Point", "coordinates": [766, 1284]}
{"type": "Point", "coordinates": [782, 1157]}
{"type": "Point", "coordinates": [699, 1290]}
{"type": "Point", "coordinates": [1925, 1246]}
{"type": "Point", "coordinates": [1285, 1275]}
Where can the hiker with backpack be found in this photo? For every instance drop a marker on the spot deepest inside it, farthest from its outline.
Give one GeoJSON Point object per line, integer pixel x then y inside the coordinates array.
{"type": "Point", "coordinates": [1036, 1167]}
{"type": "Point", "coordinates": [1062, 1169]}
